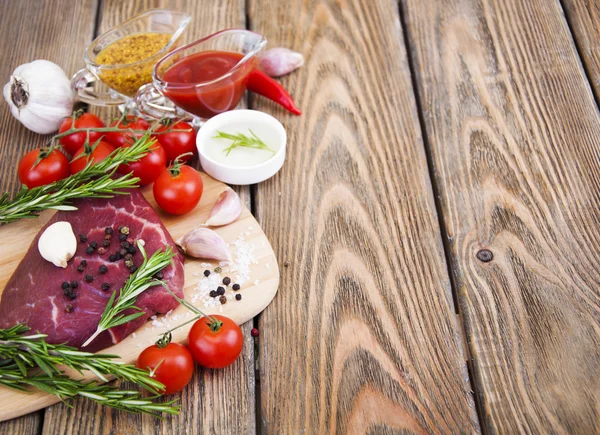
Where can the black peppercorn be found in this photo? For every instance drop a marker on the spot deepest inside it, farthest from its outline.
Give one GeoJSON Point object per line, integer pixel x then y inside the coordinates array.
{"type": "Point", "coordinates": [236, 287]}
{"type": "Point", "coordinates": [83, 263]}
{"type": "Point", "coordinates": [213, 294]}
{"type": "Point", "coordinates": [80, 268]}
{"type": "Point", "coordinates": [226, 280]}
{"type": "Point", "coordinates": [123, 237]}
{"type": "Point", "coordinates": [108, 230]}
{"type": "Point", "coordinates": [123, 252]}
{"type": "Point", "coordinates": [238, 297]}
{"type": "Point", "coordinates": [71, 295]}
{"type": "Point", "coordinates": [89, 278]}
{"type": "Point", "coordinates": [112, 257]}
{"type": "Point", "coordinates": [103, 269]}
{"type": "Point", "coordinates": [128, 256]}
{"type": "Point", "coordinates": [132, 250]}
{"type": "Point", "coordinates": [118, 255]}
{"type": "Point", "coordinates": [106, 243]}
{"type": "Point", "coordinates": [105, 286]}
{"type": "Point", "coordinates": [69, 308]}
{"type": "Point", "coordinates": [74, 284]}
{"type": "Point", "coordinates": [220, 290]}
{"type": "Point", "coordinates": [67, 291]}
{"type": "Point", "coordinates": [207, 273]}
{"type": "Point", "coordinates": [125, 245]}
{"type": "Point", "coordinates": [223, 300]}
{"type": "Point", "coordinates": [133, 268]}
{"type": "Point", "coordinates": [82, 238]}
{"type": "Point", "coordinates": [89, 250]}
{"type": "Point", "coordinates": [94, 245]}
{"type": "Point", "coordinates": [65, 285]}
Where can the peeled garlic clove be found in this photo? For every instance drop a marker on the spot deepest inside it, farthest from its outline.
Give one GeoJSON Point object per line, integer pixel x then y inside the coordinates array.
{"type": "Point", "coordinates": [57, 244]}
{"type": "Point", "coordinates": [226, 210]}
{"type": "Point", "coordinates": [204, 243]}
{"type": "Point", "coordinates": [280, 61]}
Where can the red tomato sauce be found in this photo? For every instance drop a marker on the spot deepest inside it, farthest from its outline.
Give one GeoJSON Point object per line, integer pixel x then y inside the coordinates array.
{"type": "Point", "coordinates": [211, 99]}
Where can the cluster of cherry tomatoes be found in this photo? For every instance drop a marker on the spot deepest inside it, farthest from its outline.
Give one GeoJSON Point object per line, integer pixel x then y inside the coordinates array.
{"type": "Point", "coordinates": [177, 188]}
{"type": "Point", "coordinates": [213, 342]}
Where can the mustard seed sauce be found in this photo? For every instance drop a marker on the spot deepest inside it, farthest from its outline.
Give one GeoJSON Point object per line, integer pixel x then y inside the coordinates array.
{"type": "Point", "coordinates": [130, 49]}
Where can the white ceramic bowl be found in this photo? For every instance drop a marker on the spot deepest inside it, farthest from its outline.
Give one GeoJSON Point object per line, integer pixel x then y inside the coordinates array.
{"type": "Point", "coordinates": [241, 175]}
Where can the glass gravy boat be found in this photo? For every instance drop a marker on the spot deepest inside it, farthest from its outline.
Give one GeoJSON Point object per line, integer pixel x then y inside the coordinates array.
{"type": "Point", "coordinates": [202, 79]}
{"type": "Point", "coordinates": [148, 37]}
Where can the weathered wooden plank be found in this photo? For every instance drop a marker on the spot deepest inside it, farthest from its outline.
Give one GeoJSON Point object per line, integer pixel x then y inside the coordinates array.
{"type": "Point", "coordinates": [514, 135]}
{"type": "Point", "coordinates": [30, 30]}
{"type": "Point", "coordinates": [362, 336]}
{"type": "Point", "coordinates": [584, 20]}
{"type": "Point", "coordinates": [216, 401]}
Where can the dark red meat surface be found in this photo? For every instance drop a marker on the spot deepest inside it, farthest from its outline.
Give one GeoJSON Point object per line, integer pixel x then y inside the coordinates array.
{"type": "Point", "coordinates": [34, 295]}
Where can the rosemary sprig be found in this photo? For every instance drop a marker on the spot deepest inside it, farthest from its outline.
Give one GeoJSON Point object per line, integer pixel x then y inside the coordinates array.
{"type": "Point", "coordinates": [27, 360]}
{"type": "Point", "coordinates": [94, 181]}
{"type": "Point", "coordinates": [242, 140]}
{"type": "Point", "coordinates": [138, 282]}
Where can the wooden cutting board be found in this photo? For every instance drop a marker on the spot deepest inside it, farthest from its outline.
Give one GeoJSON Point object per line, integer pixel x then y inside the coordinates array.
{"type": "Point", "coordinates": [257, 292]}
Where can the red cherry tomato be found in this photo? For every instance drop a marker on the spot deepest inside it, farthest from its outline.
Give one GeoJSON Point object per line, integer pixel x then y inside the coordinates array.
{"type": "Point", "coordinates": [131, 122]}
{"type": "Point", "coordinates": [52, 167]}
{"type": "Point", "coordinates": [72, 142]}
{"type": "Point", "coordinates": [171, 365]}
{"type": "Point", "coordinates": [177, 143]}
{"type": "Point", "coordinates": [215, 346]}
{"type": "Point", "coordinates": [96, 155]}
{"type": "Point", "coordinates": [178, 189]}
{"type": "Point", "coordinates": [149, 167]}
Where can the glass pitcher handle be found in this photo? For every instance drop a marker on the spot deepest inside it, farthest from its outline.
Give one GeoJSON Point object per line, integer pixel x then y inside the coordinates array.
{"type": "Point", "coordinates": [153, 104]}
{"type": "Point", "coordinates": [81, 84]}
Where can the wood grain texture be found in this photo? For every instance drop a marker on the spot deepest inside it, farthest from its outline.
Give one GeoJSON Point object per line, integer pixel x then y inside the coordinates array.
{"type": "Point", "coordinates": [220, 401]}
{"type": "Point", "coordinates": [362, 336]}
{"type": "Point", "coordinates": [514, 135]}
{"type": "Point", "coordinates": [30, 30]}
{"type": "Point", "coordinates": [584, 21]}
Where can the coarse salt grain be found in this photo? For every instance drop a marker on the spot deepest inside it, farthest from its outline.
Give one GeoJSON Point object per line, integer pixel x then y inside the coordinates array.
{"type": "Point", "coordinates": [256, 282]}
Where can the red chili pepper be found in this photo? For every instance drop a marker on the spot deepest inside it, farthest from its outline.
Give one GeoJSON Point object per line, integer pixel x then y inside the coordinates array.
{"type": "Point", "coordinates": [264, 85]}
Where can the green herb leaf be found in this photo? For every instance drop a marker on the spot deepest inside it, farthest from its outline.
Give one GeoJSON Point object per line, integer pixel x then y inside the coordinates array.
{"type": "Point", "coordinates": [242, 140]}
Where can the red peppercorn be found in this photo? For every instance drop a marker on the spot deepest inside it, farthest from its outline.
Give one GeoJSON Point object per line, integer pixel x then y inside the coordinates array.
{"type": "Point", "coordinates": [255, 332]}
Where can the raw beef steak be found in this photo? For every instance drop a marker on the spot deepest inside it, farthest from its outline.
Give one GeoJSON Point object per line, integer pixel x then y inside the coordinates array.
{"type": "Point", "coordinates": [34, 295]}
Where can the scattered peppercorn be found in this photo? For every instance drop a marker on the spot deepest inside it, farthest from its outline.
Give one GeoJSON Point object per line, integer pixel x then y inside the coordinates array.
{"type": "Point", "coordinates": [103, 269]}
{"type": "Point", "coordinates": [122, 237]}
{"type": "Point", "coordinates": [213, 294]}
{"type": "Point", "coordinates": [74, 284]}
{"type": "Point", "coordinates": [89, 250]}
{"type": "Point", "coordinates": [236, 287]}
{"type": "Point", "coordinates": [107, 237]}
{"type": "Point", "coordinates": [223, 300]}
{"type": "Point", "coordinates": [125, 230]}
{"type": "Point", "coordinates": [108, 230]}
{"type": "Point", "coordinates": [132, 250]}
{"type": "Point", "coordinates": [254, 332]}
{"type": "Point", "coordinates": [226, 280]}
{"type": "Point", "coordinates": [125, 245]}
{"type": "Point", "coordinates": [101, 250]}
{"type": "Point", "coordinates": [67, 291]}
{"type": "Point", "coordinates": [221, 290]}
{"type": "Point", "coordinates": [106, 243]}
{"type": "Point", "coordinates": [112, 257]}
{"type": "Point", "coordinates": [128, 263]}
{"type": "Point", "coordinates": [119, 228]}
{"type": "Point", "coordinates": [159, 275]}
{"type": "Point", "coordinates": [207, 273]}
{"type": "Point", "coordinates": [238, 297]}
{"type": "Point", "coordinates": [83, 263]}
{"type": "Point", "coordinates": [128, 256]}
{"type": "Point", "coordinates": [105, 286]}
{"type": "Point", "coordinates": [123, 252]}
{"type": "Point", "coordinates": [118, 255]}
{"type": "Point", "coordinates": [218, 269]}
{"type": "Point", "coordinates": [69, 308]}
{"type": "Point", "coordinates": [80, 268]}
{"type": "Point", "coordinates": [82, 238]}
{"type": "Point", "coordinates": [89, 278]}
{"type": "Point", "coordinates": [65, 285]}
{"type": "Point", "coordinates": [133, 268]}
{"type": "Point", "coordinates": [94, 245]}
{"type": "Point", "coordinates": [71, 295]}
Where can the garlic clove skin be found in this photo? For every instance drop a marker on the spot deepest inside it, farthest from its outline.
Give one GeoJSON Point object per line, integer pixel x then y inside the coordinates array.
{"type": "Point", "coordinates": [40, 96]}
{"type": "Point", "coordinates": [58, 244]}
{"type": "Point", "coordinates": [204, 243]}
{"type": "Point", "coordinates": [226, 210]}
{"type": "Point", "coordinates": [279, 61]}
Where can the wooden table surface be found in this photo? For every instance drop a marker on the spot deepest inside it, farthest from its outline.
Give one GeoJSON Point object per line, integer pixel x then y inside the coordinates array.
{"type": "Point", "coordinates": [432, 130]}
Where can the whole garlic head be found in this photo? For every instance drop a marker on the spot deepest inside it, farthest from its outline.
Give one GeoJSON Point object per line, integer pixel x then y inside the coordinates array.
{"type": "Point", "coordinates": [58, 244]}
{"type": "Point", "coordinates": [39, 95]}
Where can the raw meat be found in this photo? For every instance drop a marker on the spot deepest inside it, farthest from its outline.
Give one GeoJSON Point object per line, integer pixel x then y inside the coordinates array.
{"type": "Point", "coordinates": [34, 294]}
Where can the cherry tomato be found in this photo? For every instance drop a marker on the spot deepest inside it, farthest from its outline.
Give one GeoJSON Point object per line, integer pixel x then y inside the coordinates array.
{"type": "Point", "coordinates": [96, 155]}
{"type": "Point", "coordinates": [74, 141]}
{"type": "Point", "coordinates": [177, 143]}
{"type": "Point", "coordinates": [178, 189]}
{"type": "Point", "coordinates": [171, 365]}
{"type": "Point", "coordinates": [131, 122]}
{"type": "Point", "coordinates": [149, 167]}
{"type": "Point", "coordinates": [52, 167]}
{"type": "Point", "coordinates": [215, 346]}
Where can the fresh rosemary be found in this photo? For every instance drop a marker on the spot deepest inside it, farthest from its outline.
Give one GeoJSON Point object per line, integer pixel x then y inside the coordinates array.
{"type": "Point", "coordinates": [27, 360]}
{"type": "Point", "coordinates": [94, 181]}
{"type": "Point", "coordinates": [242, 140]}
{"type": "Point", "coordinates": [138, 282]}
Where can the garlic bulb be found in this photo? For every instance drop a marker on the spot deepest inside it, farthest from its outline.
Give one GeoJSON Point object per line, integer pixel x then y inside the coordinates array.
{"type": "Point", "coordinates": [279, 61]}
{"type": "Point", "coordinates": [57, 244]}
{"type": "Point", "coordinates": [226, 210]}
{"type": "Point", "coordinates": [39, 95]}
